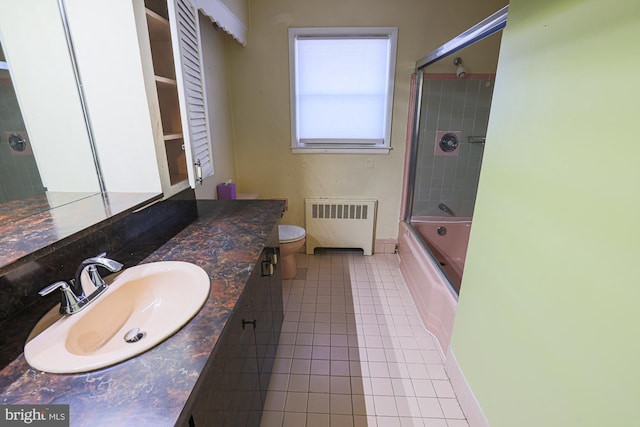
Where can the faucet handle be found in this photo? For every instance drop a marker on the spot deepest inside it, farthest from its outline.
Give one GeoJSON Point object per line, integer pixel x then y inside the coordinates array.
{"type": "Point", "coordinates": [70, 302]}
{"type": "Point", "coordinates": [52, 287]}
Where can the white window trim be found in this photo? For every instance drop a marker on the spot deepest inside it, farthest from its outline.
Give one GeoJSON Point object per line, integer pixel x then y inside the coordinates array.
{"type": "Point", "coordinates": [338, 146]}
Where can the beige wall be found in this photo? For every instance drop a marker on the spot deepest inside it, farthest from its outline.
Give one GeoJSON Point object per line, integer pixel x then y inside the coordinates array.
{"type": "Point", "coordinates": [240, 8]}
{"type": "Point", "coordinates": [260, 99]}
{"type": "Point", "coordinates": [216, 81]}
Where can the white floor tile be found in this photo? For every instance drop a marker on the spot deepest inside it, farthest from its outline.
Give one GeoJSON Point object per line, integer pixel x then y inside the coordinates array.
{"type": "Point", "coordinates": [358, 404]}
{"type": "Point", "coordinates": [434, 422]}
{"type": "Point", "coordinates": [271, 419]}
{"type": "Point", "coordinates": [353, 351]}
{"type": "Point", "coordinates": [279, 382]}
{"type": "Point", "coordinates": [275, 401]}
{"type": "Point", "coordinates": [451, 408]}
{"type": "Point", "coordinates": [338, 420]}
{"type": "Point", "coordinates": [317, 420]}
{"type": "Point", "coordinates": [443, 388]}
{"type": "Point", "coordinates": [340, 385]}
{"type": "Point", "coordinates": [302, 352]}
{"type": "Point", "coordinates": [411, 422]}
{"type": "Point", "coordinates": [294, 419]}
{"type": "Point", "coordinates": [402, 387]}
{"type": "Point", "coordinates": [298, 382]}
{"type": "Point", "coordinates": [340, 404]}
{"type": "Point", "coordinates": [408, 406]}
{"type": "Point", "coordinates": [301, 366]}
{"type": "Point", "coordinates": [423, 388]}
{"type": "Point", "coordinates": [318, 403]}
{"type": "Point", "coordinates": [385, 406]}
{"type": "Point", "coordinates": [457, 423]}
{"type": "Point", "coordinates": [389, 422]}
{"type": "Point", "coordinates": [296, 402]}
{"type": "Point", "coordinates": [319, 384]}
{"type": "Point", "coordinates": [382, 387]}
{"type": "Point", "coordinates": [430, 407]}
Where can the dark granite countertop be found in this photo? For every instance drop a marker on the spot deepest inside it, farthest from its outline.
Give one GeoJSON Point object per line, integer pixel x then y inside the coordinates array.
{"type": "Point", "coordinates": [152, 388]}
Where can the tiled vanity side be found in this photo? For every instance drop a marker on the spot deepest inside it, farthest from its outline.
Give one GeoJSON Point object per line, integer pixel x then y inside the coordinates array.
{"type": "Point", "coordinates": [128, 238]}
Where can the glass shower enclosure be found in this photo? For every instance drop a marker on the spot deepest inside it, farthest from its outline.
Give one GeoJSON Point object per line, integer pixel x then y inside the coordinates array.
{"type": "Point", "coordinates": [454, 88]}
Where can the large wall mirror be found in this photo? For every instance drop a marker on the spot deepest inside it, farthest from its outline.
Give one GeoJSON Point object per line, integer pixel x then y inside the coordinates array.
{"type": "Point", "coordinates": [44, 145]}
{"type": "Point", "coordinates": [47, 166]}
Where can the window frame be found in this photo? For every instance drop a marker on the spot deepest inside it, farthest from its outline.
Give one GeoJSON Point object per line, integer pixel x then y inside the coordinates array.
{"type": "Point", "coordinates": [339, 145]}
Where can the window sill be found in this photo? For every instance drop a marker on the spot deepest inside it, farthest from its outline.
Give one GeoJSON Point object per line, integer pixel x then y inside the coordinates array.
{"type": "Point", "coordinates": [340, 150]}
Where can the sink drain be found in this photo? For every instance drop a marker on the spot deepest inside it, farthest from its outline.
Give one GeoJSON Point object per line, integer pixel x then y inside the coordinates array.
{"type": "Point", "coordinates": [134, 335]}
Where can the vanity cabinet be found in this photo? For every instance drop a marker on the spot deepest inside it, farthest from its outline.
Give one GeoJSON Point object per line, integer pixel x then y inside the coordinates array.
{"type": "Point", "coordinates": [268, 308]}
{"type": "Point", "coordinates": [233, 388]}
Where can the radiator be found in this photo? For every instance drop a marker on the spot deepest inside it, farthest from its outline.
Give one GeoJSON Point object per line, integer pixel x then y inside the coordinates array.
{"type": "Point", "coordinates": [340, 223]}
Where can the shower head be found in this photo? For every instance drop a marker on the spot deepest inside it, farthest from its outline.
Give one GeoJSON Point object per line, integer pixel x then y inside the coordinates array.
{"type": "Point", "coordinates": [460, 71]}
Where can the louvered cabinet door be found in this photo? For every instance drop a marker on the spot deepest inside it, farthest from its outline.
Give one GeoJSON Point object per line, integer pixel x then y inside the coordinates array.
{"type": "Point", "coordinates": [185, 32]}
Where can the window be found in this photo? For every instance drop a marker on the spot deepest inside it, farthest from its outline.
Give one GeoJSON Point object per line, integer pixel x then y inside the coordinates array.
{"type": "Point", "coordinates": [341, 89]}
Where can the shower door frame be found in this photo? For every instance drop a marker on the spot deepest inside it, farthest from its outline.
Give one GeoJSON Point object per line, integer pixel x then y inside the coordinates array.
{"type": "Point", "coordinates": [485, 28]}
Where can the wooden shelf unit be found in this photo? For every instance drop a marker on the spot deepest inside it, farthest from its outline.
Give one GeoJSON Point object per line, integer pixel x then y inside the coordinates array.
{"type": "Point", "coordinates": [165, 78]}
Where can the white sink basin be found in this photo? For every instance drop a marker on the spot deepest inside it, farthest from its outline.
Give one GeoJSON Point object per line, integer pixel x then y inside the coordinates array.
{"type": "Point", "coordinates": [157, 298]}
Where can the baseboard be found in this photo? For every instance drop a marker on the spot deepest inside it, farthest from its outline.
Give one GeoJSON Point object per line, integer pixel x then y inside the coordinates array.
{"type": "Point", "coordinates": [385, 246]}
{"type": "Point", "coordinates": [466, 398]}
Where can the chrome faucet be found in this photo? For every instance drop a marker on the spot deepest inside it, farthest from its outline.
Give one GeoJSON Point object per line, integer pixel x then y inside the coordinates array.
{"type": "Point", "coordinates": [87, 285]}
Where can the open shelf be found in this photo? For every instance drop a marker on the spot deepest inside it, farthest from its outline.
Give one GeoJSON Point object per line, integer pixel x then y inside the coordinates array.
{"type": "Point", "coordinates": [166, 81]}
{"type": "Point", "coordinates": [161, 48]}
{"type": "Point", "coordinates": [177, 160]}
{"type": "Point", "coordinates": [170, 136]}
{"type": "Point", "coordinates": [159, 7]}
{"type": "Point", "coordinates": [159, 28]}
{"type": "Point", "coordinates": [169, 109]}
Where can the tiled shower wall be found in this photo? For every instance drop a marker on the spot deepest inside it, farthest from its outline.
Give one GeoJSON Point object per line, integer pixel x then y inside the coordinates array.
{"type": "Point", "coordinates": [450, 104]}
{"type": "Point", "coordinates": [19, 176]}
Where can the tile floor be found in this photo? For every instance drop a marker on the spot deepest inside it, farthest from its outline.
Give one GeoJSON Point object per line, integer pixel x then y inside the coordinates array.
{"type": "Point", "coordinates": [353, 351]}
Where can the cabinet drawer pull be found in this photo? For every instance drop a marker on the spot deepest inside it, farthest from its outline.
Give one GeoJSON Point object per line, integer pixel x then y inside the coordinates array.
{"type": "Point", "coordinates": [267, 268]}
{"type": "Point", "coordinates": [249, 322]}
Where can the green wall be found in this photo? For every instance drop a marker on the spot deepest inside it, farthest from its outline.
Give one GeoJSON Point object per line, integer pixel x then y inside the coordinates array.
{"type": "Point", "coordinates": [548, 329]}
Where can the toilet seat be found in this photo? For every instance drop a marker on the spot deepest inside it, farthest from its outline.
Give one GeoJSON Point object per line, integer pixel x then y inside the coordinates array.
{"type": "Point", "coordinates": [290, 233]}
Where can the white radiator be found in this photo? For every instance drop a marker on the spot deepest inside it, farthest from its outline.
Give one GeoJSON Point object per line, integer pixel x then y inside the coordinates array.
{"type": "Point", "coordinates": [340, 223]}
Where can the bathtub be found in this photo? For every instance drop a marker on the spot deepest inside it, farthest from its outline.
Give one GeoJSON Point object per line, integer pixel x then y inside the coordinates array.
{"type": "Point", "coordinates": [435, 299]}
{"type": "Point", "coordinates": [447, 239]}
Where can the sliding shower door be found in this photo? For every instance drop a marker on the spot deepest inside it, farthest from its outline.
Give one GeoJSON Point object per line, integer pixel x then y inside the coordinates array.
{"type": "Point", "coordinates": [453, 127]}
{"type": "Point", "coordinates": [451, 131]}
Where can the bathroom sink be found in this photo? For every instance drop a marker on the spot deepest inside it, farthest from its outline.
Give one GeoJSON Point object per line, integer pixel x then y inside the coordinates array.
{"type": "Point", "coordinates": [143, 306]}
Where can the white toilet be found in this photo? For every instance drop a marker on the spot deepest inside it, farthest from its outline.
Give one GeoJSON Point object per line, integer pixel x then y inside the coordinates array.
{"type": "Point", "coordinates": [292, 239]}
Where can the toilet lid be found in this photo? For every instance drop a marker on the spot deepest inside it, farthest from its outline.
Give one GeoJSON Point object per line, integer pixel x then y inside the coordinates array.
{"type": "Point", "coordinates": [290, 233]}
